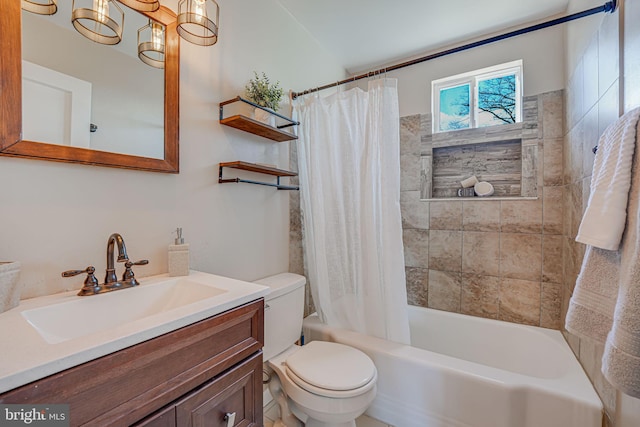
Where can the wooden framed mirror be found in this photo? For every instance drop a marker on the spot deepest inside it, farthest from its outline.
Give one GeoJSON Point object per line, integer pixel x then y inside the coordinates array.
{"type": "Point", "coordinates": [11, 142]}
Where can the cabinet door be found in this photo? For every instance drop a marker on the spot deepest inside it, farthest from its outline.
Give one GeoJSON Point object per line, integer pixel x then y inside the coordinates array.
{"type": "Point", "coordinates": [237, 391]}
{"type": "Point", "coordinates": [163, 418]}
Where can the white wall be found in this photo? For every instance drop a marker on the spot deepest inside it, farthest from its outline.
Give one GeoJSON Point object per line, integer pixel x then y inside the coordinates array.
{"type": "Point", "coordinates": [57, 216]}
{"type": "Point", "coordinates": [542, 53]}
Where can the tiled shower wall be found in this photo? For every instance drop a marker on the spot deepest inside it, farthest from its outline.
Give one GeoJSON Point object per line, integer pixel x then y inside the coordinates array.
{"type": "Point", "coordinates": [500, 259]}
{"type": "Point", "coordinates": [593, 102]}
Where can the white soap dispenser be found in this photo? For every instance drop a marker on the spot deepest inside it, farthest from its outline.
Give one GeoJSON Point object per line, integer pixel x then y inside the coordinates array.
{"type": "Point", "coordinates": [179, 256]}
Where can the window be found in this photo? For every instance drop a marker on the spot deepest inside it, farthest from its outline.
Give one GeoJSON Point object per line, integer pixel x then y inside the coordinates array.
{"type": "Point", "coordinates": [487, 97]}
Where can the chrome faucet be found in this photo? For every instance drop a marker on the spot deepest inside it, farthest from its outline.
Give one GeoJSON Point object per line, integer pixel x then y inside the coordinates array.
{"type": "Point", "coordinates": [111, 282]}
{"type": "Point", "coordinates": [122, 257]}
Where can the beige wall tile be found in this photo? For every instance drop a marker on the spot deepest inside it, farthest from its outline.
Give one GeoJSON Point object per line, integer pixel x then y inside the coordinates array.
{"type": "Point", "coordinates": [576, 207]}
{"type": "Point", "coordinates": [480, 295]}
{"type": "Point", "coordinates": [608, 107]}
{"type": "Point", "coordinates": [415, 213]}
{"type": "Point", "coordinates": [569, 273]}
{"type": "Point", "coordinates": [586, 192]}
{"type": "Point", "coordinates": [520, 301]}
{"type": "Point", "coordinates": [608, 50]}
{"type": "Point", "coordinates": [410, 134]}
{"type": "Point", "coordinates": [590, 58]}
{"type": "Point", "coordinates": [566, 210]}
{"type": "Point", "coordinates": [521, 256]}
{"type": "Point", "coordinates": [551, 305]}
{"type": "Point", "coordinates": [564, 306]}
{"type": "Point", "coordinates": [481, 253]}
{"type": "Point", "coordinates": [444, 290]}
{"type": "Point", "coordinates": [481, 216]}
{"type": "Point", "coordinates": [417, 286]}
{"type": "Point", "coordinates": [522, 216]}
{"type": "Point", "coordinates": [410, 153]}
{"type": "Point", "coordinates": [446, 215]}
{"type": "Point", "coordinates": [530, 175]}
{"type": "Point", "coordinates": [552, 162]}
{"type": "Point", "coordinates": [573, 255]}
{"type": "Point", "coordinates": [409, 172]}
{"type": "Point", "coordinates": [575, 95]}
{"type": "Point", "coordinates": [566, 159]}
{"type": "Point", "coordinates": [552, 214]}
{"type": "Point", "coordinates": [577, 141]}
{"type": "Point", "coordinates": [445, 250]}
{"type": "Point", "coordinates": [552, 262]}
{"type": "Point", "coordinates": [426, 171]}
{"type": "Point", "coordinates": [553, 114]}
{"type": "Point", "coordinates": [590, 140]}
{"type": "Point", "coordinates": [574, 342]}
{"type": "Point", "coordinates": [416, 247]}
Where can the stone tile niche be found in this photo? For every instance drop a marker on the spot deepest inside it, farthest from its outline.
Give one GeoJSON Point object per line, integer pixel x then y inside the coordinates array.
{"type": "Point", "coordinates": [499, 163]}
{"type": "Point", "coordinates": [506, 156]}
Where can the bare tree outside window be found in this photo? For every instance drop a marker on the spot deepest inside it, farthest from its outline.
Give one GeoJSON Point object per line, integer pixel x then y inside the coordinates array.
{"type": "Point", "coordinates": [496, 101]}
{"type": "Point", "coordinates": [487, 97]}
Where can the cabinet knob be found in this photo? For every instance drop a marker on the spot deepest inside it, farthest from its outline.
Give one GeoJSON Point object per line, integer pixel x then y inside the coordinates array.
{"type": "Point", "coordinates": [230, 418]}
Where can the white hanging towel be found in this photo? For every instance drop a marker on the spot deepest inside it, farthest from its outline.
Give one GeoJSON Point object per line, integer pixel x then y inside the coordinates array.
{"type": "Point", "coordinates": [604, 219]}
{"type": "Point", "coordinates": [605, 305]}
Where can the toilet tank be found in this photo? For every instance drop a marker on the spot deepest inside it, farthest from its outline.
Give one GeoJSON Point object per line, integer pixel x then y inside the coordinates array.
{"type": "Point", "coordinates": [283, 312]}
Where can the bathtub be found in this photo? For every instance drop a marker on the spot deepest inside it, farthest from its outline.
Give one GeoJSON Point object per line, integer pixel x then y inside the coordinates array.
{"type": "Point", "coordinates": [463, 371]}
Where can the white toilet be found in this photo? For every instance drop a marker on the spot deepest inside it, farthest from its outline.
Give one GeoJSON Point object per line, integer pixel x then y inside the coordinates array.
{"type": "Point", "coordinates": [321, 384]}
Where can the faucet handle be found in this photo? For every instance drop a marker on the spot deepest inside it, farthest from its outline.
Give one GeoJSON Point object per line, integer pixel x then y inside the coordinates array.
{"type": "Point", "coordinates": [70, 273]}
{"type": "Point", "coordinates": [91, 285]}
{"type": "Point", "coordinates": [128, 275]}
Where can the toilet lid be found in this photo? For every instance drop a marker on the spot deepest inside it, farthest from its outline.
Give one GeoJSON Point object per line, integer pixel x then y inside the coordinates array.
{"type": "Point", "coordinates": [331, 366]}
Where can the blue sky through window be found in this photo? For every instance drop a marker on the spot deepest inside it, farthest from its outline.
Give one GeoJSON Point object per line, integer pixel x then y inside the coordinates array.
{"type": "Point", "coordinates": [454, 107]}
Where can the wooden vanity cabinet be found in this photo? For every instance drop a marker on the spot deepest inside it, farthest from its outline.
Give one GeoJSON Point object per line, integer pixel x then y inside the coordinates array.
{"type": "Point", "coordinates": [237, 391]}
{"type": "Point", "coordinates": [189, 377]}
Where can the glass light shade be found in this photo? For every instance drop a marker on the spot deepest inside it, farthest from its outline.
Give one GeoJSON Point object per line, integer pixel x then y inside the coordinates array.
{"type": "Point", "coordinates": [142, 5]}
{"type": "Point", "coordinates": [151, 44]}
{"type": "Point", "coordinates": [102, 22]}
{"type": "Point", "coordinates": [197, 21]}
{"type": "Point", "coordinates": [42, 7]}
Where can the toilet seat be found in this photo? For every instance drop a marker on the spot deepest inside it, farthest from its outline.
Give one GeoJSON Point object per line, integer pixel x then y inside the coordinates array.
{"type": "Point", "coordinates": [331, 370]}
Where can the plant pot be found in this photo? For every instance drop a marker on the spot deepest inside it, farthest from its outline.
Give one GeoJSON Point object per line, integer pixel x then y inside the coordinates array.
{"type": "Point", "coordinates": [265, 117]}
{"type": "Point", "coordinates": [9, 290]}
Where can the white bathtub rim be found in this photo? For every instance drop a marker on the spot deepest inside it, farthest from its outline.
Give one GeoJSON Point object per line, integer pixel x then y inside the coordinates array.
{"type": "Point", "coordinates": [573, 384]}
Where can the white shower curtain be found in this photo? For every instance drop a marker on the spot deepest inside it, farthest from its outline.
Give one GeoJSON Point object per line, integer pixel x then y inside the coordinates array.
{"type": "Point", "coordinates": [349, 167]}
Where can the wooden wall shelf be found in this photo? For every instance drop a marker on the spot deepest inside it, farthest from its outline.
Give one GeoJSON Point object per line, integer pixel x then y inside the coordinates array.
{"type": "Point", "coordinates": [247, 124]}
{"type": "Point", "coordinates": [253, 167]}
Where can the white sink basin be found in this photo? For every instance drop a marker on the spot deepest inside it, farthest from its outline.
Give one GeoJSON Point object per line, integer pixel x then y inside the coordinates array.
{"type": "Point", "coordinates": [55, 332]}
{"type": "Point", "coordinates": [86, 315]}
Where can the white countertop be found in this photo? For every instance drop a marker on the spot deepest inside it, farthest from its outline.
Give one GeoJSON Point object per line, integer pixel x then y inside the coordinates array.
{"type": "Point", "coordinates": [26, 356]}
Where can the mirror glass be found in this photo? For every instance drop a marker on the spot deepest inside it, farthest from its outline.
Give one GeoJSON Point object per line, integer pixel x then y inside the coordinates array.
{"type": "Point", "coordinates": [79, 93]}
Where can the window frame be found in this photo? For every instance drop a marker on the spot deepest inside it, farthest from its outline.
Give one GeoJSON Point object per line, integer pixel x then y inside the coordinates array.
{"type": "Point", "coordinates": [472, 78]}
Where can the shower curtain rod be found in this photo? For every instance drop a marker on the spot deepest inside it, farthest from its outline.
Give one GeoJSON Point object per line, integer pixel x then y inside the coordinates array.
{"type": "Point", "coordinates": [608, 7]}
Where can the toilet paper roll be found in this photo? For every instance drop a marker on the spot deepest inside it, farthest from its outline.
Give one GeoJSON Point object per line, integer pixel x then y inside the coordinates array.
{"type": "Point", "coordinates": [469, 182]}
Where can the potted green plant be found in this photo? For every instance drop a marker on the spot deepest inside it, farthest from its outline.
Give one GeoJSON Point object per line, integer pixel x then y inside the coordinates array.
{"type": "Point", "coordinates": [262, 92]}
